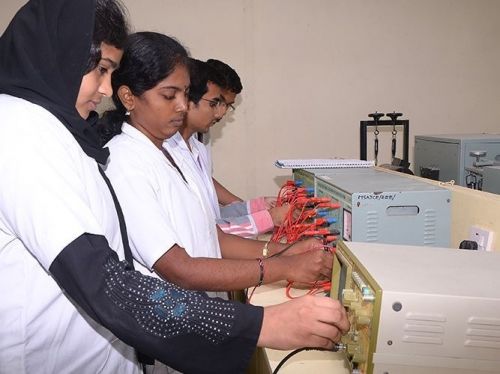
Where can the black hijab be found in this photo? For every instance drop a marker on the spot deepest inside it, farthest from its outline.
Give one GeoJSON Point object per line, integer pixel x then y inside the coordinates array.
{"type": "Point", "coordinates": [43, 55]}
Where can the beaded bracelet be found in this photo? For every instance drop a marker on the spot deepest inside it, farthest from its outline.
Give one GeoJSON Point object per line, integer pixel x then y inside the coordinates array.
{"type": "Point", "coordinates": [261, 268]}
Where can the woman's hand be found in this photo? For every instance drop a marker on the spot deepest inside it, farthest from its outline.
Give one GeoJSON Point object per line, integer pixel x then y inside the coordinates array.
{"type": "Point", "coordinates": [307, 321]}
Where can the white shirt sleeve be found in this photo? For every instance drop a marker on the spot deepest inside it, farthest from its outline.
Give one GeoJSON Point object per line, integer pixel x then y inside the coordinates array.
{"type": "Point", "coordinates": [43, 201]}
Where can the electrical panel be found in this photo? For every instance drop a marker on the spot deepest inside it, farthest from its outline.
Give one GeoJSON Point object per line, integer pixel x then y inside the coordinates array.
{"type": "Point", "coordinates": [378, 206]}
{"type": "Point", "coordinates": [451, 157]}
{"type": "Point", "coordinates": [491, 179]}
{"type": "Point", "coordinates": [418, 310]}
{"type": "Point", "coordinates": [308, 177]}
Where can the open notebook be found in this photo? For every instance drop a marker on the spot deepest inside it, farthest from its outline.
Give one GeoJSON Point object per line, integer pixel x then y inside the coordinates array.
{"type": "Point", "coordinates": [323, 163]}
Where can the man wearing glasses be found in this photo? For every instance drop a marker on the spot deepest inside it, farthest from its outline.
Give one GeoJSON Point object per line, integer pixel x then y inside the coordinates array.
{"type": "Point", "coordinates": [212, 93]}
{"type": "Point", "coordinates": [265, 207]}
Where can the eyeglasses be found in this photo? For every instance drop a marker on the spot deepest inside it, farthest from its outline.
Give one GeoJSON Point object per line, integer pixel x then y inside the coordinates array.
{"type": "Point", "coordinates": [214, 103]}
{"type": "Point", "coordinates": [219, 103]}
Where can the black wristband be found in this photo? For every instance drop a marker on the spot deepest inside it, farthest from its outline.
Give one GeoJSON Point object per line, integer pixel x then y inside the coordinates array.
{"type": "Point", "coordinates": [261, 268]}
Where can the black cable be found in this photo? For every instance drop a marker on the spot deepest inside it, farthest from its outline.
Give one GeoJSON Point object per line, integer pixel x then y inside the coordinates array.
{"type": "Point", "coordinates": [282, 251]}
{"type": "Point", "coordinates": [274, 255]}
{"type": "Point", "coordinates": [293, 353]}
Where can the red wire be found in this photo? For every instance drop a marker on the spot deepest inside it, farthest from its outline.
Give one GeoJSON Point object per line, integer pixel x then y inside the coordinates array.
{"type": "Point", "coordinates": [316, 287]}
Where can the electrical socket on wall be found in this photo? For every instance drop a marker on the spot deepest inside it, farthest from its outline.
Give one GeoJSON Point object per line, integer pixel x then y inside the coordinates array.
{"type": "Point", "coordinates": [483, 238]}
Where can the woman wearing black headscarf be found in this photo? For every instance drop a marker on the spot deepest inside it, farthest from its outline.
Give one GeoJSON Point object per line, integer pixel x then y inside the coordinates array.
{"type": "Point", "coordinates": [67, 300]}
{"type": "Point", "coordinates": [58, 220]}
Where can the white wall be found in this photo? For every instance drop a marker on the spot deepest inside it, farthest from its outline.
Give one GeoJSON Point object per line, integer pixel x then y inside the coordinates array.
{"type": "Point", "coordinates": [313, 69]}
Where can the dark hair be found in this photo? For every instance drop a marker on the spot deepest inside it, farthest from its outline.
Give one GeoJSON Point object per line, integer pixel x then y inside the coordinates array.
{"type": "Point", "coordinates": [231, 78]}
{"type": "Point", "coordinates": [200, 74]}
{"type": "Point", "coordinates": [148, 58]}
{"type": "Point", "coordinates": [110, 27]}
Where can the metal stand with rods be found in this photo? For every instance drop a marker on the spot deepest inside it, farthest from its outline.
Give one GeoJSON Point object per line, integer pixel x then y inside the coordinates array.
{"type": "Point", "coordinates": [377, 122]}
